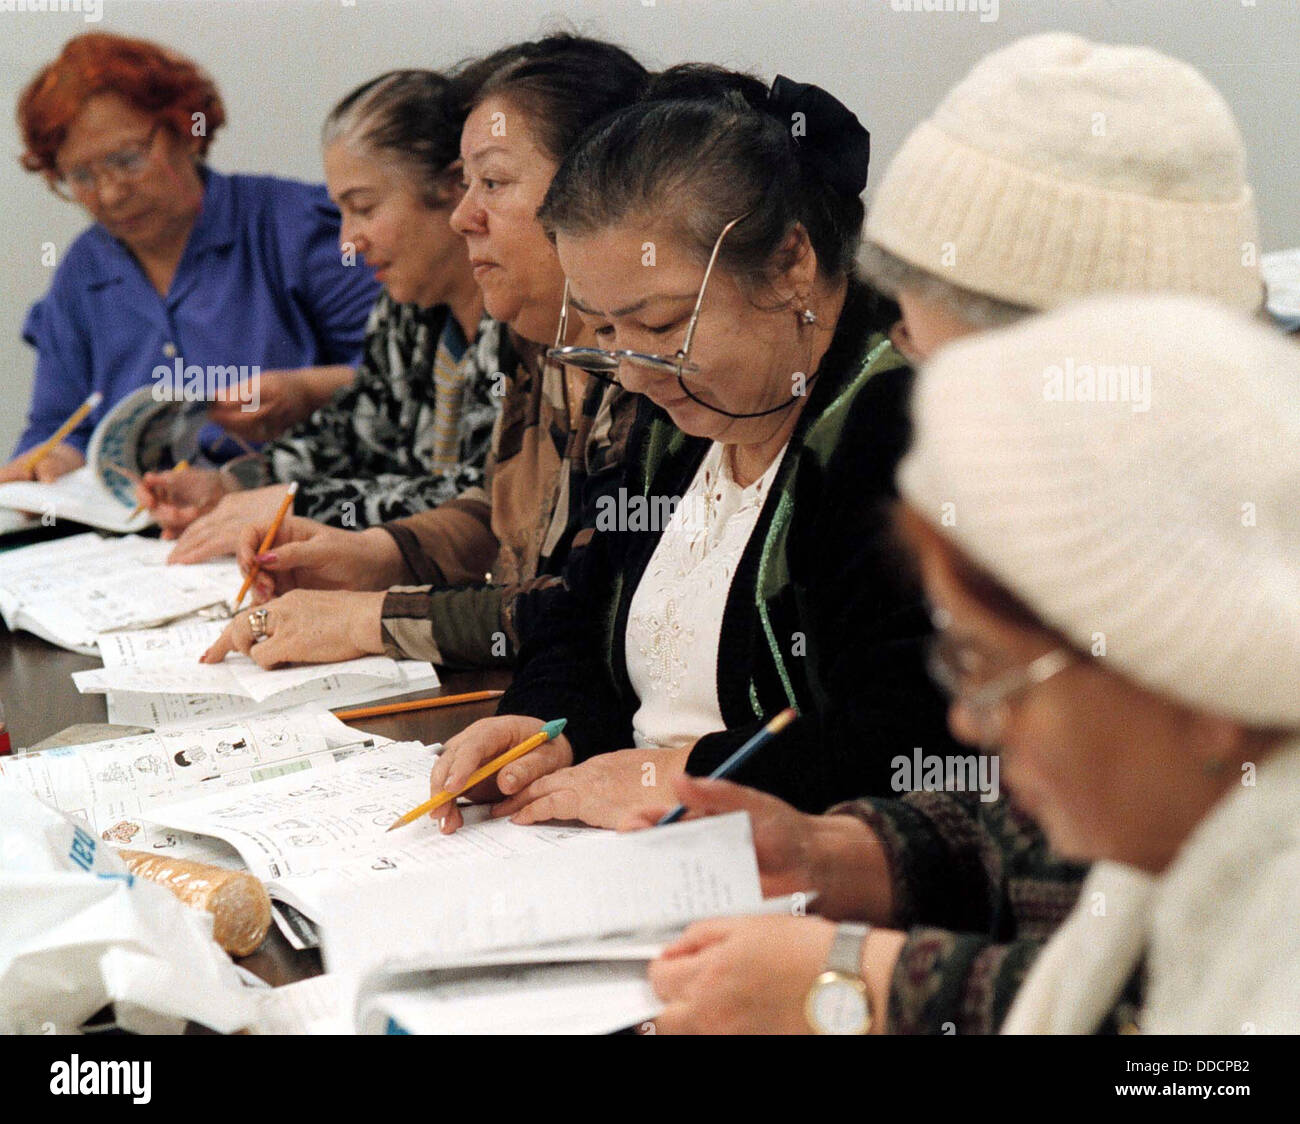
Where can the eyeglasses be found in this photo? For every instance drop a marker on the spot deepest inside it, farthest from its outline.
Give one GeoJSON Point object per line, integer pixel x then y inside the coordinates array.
{"type": "Point", "coordinates": [127, 163]}
{"type": "Point", "coordinates": [601, 363]}
{"type": "Point", "coordinates": [990, 705]}
{"type": "Point", "coordinates": [604, 364]}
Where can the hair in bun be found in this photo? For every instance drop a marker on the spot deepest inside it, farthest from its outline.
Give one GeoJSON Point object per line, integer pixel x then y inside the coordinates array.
{"type": "Point", "coordinates": [707, 145]}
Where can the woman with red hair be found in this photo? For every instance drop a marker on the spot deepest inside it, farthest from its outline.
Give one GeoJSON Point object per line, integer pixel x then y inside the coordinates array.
{"type": "Point", "coordinates": [183, 265]}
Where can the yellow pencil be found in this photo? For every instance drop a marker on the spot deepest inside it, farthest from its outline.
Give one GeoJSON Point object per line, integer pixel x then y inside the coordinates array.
{"type": "Point", "coordinates": [274, 530]}
{"type": "Point", "coordinates": [381, 709]}
{"type": "Point", "coordinates": [140, 507]}
{"type": "Point", "coordinates": [42, 450]}
{"type": "Point", "coordinates": [546, 733]}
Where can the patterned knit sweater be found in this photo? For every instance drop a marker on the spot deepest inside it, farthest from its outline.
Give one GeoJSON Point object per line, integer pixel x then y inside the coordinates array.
{"type": "Point", "coordinates": [379, 449]}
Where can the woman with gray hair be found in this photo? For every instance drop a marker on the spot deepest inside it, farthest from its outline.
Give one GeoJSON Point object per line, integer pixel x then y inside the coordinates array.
{"type": "Point", "coordinates": [414, 428]}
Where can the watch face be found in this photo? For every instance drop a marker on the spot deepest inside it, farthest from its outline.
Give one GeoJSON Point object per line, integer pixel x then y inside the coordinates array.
{"type": "Point", "coordinates": [838, 1005]}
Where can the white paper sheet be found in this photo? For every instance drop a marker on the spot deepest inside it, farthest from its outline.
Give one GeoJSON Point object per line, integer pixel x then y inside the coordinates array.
{"type": "Point", "coordinates": [78, 497]}
{"type": "Point", "coordinates": [111, 785]}
{"type": "Point", "coordinates": [237, 674]}
{"type": "Point", "coordinates": [153, 678]}
{"type": "Point", "coordinates": [600, 885]}
{"type": "Point", "coordinates": [312, 1006]}
{"type": "Point", "coordinates": [314, 832]}
{"type": "Point", "coordinates": [71, 590]}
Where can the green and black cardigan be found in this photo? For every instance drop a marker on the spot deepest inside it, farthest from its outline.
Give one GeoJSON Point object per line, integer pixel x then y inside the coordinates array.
{"type": "Point", "coordinates": [823, 613]}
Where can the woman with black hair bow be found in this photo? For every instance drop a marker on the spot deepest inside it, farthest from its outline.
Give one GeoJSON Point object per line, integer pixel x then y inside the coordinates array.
{"type": "Point", "coordinates": [708, 236]}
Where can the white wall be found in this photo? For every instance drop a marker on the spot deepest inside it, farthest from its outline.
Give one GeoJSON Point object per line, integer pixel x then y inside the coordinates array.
{"type": "Point", "coordinates": [281, 64]}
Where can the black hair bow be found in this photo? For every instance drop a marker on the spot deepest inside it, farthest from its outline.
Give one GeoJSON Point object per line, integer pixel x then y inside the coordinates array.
{"type": "Point", "coordinates": [828, 134]}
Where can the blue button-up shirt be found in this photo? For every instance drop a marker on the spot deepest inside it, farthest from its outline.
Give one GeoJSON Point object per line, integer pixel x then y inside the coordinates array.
{"type": "Point", "coordinates": [261, 283]}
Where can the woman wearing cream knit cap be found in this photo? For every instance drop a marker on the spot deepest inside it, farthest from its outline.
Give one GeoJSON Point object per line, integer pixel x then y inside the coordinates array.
{"type": "Point", "coordinates": [1119, 586]}
{"type": "Point", "coordinates": [1055, 169]}
{"type": "Point", "coordinates": [1102, 501]}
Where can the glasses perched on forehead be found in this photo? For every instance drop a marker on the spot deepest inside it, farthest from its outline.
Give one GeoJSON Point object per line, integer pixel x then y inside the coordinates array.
{"type": "Point", "coordinates": [127, 163]}
{"type": "Point", "coordinates": [951, 665]}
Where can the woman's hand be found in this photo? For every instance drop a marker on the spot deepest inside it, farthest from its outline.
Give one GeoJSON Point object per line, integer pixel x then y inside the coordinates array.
{"type": "Point", "coordinates": [311, 555]}
{"type": "Point", "coordinates": [603, 791]}
{"type": "Point", "coordinates": [59, 461]}
{"type": "Point", "coordinates": [478, 744]}
{"type": "Point", "coordinates": [307, 626]}
{"type": "Point", "coordinates": [838, 857]}
{"type": "Point", "coordinates": [176, 499]}
{"type": "Point", "coordinates": [783, 835]}
{"type": "Point", "coordinates": [741, 975]}
{"type": "Point", "coordinates": [283, 399]}
{"type": "Point", "coordinates": [218, 532]}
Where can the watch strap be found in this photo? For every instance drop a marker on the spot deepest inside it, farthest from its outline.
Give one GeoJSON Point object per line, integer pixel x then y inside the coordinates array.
{"type": "Point", "coordinates": [845, 955]}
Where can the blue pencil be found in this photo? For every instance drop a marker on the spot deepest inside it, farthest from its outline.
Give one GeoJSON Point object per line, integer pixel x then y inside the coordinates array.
{"type": "Point", "coordinates": [743, 754]}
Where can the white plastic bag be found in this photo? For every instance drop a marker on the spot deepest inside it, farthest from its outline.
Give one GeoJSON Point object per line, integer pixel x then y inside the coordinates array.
{"type": "Point", "coordinates": [77, 932]}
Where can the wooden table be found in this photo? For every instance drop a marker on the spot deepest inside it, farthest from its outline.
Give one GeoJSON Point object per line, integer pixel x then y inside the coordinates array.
{"type": "Point", "coordinates": [40, 699]}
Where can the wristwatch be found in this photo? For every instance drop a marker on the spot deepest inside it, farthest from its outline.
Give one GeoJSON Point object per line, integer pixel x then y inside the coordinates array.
{"type": "Point", "coordinates": [837, 1002]}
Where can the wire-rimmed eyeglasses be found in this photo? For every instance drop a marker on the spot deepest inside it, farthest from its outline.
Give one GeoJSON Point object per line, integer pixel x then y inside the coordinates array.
{"type": "Point", "coordinates": [604, 364]}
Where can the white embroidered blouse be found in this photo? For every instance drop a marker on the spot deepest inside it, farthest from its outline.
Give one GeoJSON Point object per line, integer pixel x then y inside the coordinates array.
{"type": "Point", "coordinates": [675, 619]}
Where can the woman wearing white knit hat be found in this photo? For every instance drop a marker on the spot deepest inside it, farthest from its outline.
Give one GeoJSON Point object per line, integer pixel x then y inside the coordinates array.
{"type": "Point", "coordinates": [1102, 501]}
{"type": "Point", "coordinates": [1055, 169]}
{"type": "Point", "coordinates": [1118, 584]}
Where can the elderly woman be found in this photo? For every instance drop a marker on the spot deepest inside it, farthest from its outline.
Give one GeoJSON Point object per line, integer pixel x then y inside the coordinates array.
{"type": "Point", "coordinates": [973, 883]}
{"type": "Point", "coordinates": [561, 437]}
{"type": "Point", "coordinates": [413, 429]}
{"type": "Point", "coordinates": [183, 264]}
{"type": "Point", "coordinates": [1116, 605]}
{"type": "Point", "coordinates": [707, 235]}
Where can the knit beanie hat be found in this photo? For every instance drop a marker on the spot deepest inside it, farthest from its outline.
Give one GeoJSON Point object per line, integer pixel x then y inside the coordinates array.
{"type": "Point", "coordinates": [1059, 168]}
{"type": "Point", "coordinates": [1130, 468]}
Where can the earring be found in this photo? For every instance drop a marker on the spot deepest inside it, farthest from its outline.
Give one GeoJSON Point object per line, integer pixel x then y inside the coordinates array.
{"type": "Point", "coordinates": [808, 316]}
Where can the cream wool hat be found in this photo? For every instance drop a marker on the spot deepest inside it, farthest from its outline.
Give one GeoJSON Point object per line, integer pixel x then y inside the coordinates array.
{"type": "Point", "coordinates": [1059, 168]}
{"type": "Point", "coordinates": [1165, 519]}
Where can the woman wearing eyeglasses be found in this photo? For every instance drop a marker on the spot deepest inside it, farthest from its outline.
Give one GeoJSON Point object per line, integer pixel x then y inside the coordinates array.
{"type": "Point", "coordinates": [183, 264]}
{"type": "Point", "coordinates": [559, 442]}
{"type": "Point", "coordinates": [1117, 623]}
{"type": "Point", "coordinates": [707, 235]}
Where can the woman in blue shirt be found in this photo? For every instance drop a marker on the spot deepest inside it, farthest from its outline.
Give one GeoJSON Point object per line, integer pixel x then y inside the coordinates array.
{"type": "Point", "coordinates": [183, 264]}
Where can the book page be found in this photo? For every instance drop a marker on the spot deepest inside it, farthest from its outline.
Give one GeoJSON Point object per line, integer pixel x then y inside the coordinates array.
{"type": "Point", "coordinates": [110, 784]}
{"type": "Point", "coordinates": [77, 496]}
{"type": "Point", "coordinates": [140, 708]}
{"type": "Point", "coordinates": [602, 884]}
{"type": "Point", "coordinates": [292, 830]}
{"type": "Point", "coordinates": [166, 661]}
{"type": "Point", "coordinates": [72, 590]}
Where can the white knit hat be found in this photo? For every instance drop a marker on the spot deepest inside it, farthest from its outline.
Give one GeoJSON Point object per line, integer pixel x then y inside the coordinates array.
{"type": "Point", "coordinates": [1059, 168]}
{"type": "Point", "coordinates": [1160, 509]}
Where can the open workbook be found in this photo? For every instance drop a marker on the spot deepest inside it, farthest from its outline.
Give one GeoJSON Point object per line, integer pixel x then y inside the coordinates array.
{"type": "Point", "coordinates": [112, 785]}
{"type": "Point", "coordinates": [72, 590]}
{"type": "Point", "coordinates": [140, 433]}
{"type": "Point", "coordinates": [431, 930]}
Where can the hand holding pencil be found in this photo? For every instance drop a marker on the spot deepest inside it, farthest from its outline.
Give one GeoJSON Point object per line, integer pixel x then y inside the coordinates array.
{"type": "Point", "coordinates": [448, 795]}
{"type": "Point", "coordinates": [483, 742]}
